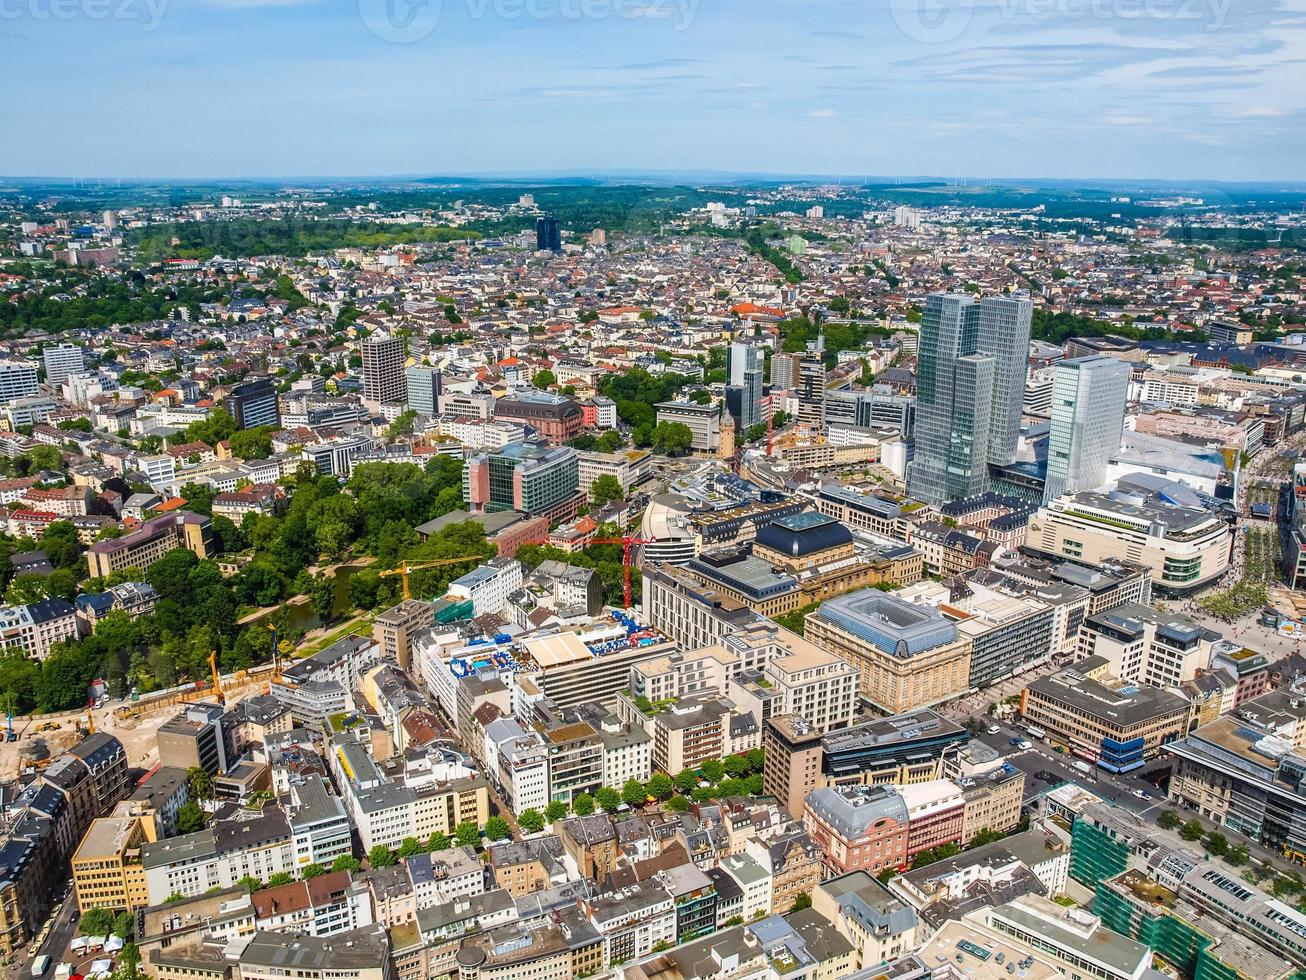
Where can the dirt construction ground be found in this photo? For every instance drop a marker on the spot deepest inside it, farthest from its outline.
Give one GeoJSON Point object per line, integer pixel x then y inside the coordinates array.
{"type": "Point", "coordinates": [136, 734]}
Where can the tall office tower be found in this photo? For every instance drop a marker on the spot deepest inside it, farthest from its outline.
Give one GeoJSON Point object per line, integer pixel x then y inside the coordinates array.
{"type": "Point", "coordinates": [63, 361]}
{"type": "Point", "coordinates": [953, 401]}
{"type": "Point", "coordinates": [784, 371]}
{"type": "Point", "coordinates": [1088, 416]}
{"type": "Point", "coordinates": [811, 385]}
{"type": "Point", "coordinates": [905, 217]}
{"type": "Point", "coordinates": [254, 404]}
{"type": "Point", "coordinates": [17, 379]}
{"type": "Point", "coordinates": [423, 389]}
{"type": "Point", "coordinates": [548, 234]}
{"type": "Point", "coordinates": [383, 369]}
{"type": "Point", "coordinates": [747, 365]}
{"type": "Point", "coordinates": [1004, 325]}
{"type": "Point", "coordinates": [110, 220]}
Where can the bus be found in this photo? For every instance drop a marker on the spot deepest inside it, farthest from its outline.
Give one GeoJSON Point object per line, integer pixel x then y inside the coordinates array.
{"type": "Point", "coordinates": [40, 965]}
{"type": "Point", "coordinates": [1034, 731]}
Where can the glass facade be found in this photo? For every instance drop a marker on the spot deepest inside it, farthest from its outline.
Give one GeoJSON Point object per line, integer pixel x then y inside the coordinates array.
{"type": "Point", "coordinates": [1088, 415]}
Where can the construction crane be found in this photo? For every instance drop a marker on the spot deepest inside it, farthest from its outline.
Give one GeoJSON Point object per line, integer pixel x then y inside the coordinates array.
{"type": "Point", "coordinates": [90, 717]}
{"type": "Point", "coordinates": [407, 568]}
{"type": "Point", "coordinates": [217, 681]}
{"type": "Point", "coordinates": [628, 544]}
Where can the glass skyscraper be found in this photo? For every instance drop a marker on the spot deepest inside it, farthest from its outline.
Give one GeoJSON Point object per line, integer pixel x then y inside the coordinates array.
{"type": "Point", "coordinates": [747, 368]}
{"type": "Point", "coordinates": [1088, 416]}
{"type": "Point", "coordinates": [970, 382]}
{"type": "Point", "coordinates": [1004, 325]}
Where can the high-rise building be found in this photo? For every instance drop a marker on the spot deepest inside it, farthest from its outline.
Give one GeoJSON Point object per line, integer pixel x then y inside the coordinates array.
{"type": "Point", "coordinates": [17, 380]}
{"type": "Point", "coordinates": [747, 366]}
{"type": "Point", "coordinates": [1088, 416]}
{"type": "Point", "coordinates": [63, 361]}
{"type": "Point", "coordinates": [383, 369]}
{"type": "Point", "coordinates": [811, 384]}
{"type": "Point", "coordinates": [548, 234]}
{"type": "Point", "coordinates": [254, 404]}
{"type": "Point", "coordinates": [1004, 326]}
{"type": "Point", "coordinates": [970, 384]}
{"type": "Point", "coordinates": [423, 384]}
{"type": "Point", "coordinates": [110, 220]}
{"type": "Point", "coordinates": [784, 371]}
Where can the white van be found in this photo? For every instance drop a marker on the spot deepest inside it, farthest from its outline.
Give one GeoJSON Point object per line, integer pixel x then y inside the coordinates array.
{"type": "Point", "coordinates": [40, 965]}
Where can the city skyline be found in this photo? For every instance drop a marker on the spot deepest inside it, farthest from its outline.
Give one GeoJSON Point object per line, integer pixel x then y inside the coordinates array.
{"type": "Point", "coordinates": [1181, 90]}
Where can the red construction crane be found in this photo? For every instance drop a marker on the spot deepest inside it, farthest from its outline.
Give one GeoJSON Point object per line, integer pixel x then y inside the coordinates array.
{"type": "Point", "coordinates": [627, 555]}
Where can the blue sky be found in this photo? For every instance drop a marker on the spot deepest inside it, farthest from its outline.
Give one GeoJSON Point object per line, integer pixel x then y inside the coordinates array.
{"type": "Point", "coordinates": [1054, 88]}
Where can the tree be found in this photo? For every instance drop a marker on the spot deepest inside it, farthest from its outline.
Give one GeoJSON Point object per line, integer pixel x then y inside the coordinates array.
{"type": "Point", "coordinates": [604, 490]}
{"type": "Point", "coordinates": [583, 804]}
{"type": "Point", "coordinates": [734, 920]}
{"type": "Point", "coordinates": [409, 846]}
{"type": "Point", "coordinates": [737, 765]}
{"type": "Point", "coordinates": [253, 443]}
{"type": "Point", "coordinates": [1238, 856]}
{"type": "Point", "coordinates": [1217, 843]}
{"type": "Point", "coordinates": [310, 871]}
{"type": "Point", "coordinates": [686, 780]}
{"type": "Point", "coordinates": [985, 836]}
{"type": "Point", "coordinates": [1192, 830]}
{"type": "Point", "coordinates": [556, 810]}
{"type": "Point", "coordinates": [280, 878]}
{"type": "Point", "coordinates": [347, 862]}
{"type": "Point", "coordinates": [124, 925]}
{"type": "Point", "coordinates": [531, 820]}
{"type": "Point", "coordinates": [467, 834]}
{"type": "Point", "coordinates": [250, 884]}
{"type": "Point", "coordinates": [672, 438]}
{"type": "Point", "coordinates": [801, 901]}
{"type": "Point", "coordinates": [190, 818]}
{"type": "Point", "coordinates": [96, 922]}
{"type": "Point", "coordinates": [380, 856]}
{"type": "Point", "coordinates": [46, 458]}
{"type": "Point", "coordinates": [713, 771]}
{"type": "Point", "coordinates": [633, 793]}
{"type": "Point", "coordinates": [677, 804]}
{"type": "Point", "coordinates": [608, 798]}
{"type": "Point", "coordinates": [496, 828]}
{"type": "Point", "coordinates": [660, 786]}
{"type": "Point", "coordinates": [544, 379]}
{"type": "Point", "coordinates": [439, 841]}
{"type": "Point", "coordinates": [129, 962]}
{"type": "Point", "coordinates": [200, 782]}
{"type": "Point", "coordinates": [1169, 820]}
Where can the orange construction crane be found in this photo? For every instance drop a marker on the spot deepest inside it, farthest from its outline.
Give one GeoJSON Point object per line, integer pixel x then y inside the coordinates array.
{"type": "Point", "coordinates": [408, 567]}
{"type": "Point", "coordinates": [217, 681]}
{"type": "Point", "coordinates": [628, 544]}
{"type": "Point", "coordinates": [90, 720]}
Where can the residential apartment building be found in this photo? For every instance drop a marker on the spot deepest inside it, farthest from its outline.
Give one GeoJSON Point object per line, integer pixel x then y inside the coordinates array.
{"type": "Point", "coordinates": [37, 626]}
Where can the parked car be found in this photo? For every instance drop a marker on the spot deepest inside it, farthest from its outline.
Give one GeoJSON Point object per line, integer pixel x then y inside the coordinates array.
{"type": "Point", "coordinates": [993, 730]}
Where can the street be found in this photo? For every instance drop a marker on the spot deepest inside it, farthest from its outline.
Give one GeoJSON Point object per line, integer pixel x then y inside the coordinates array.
{"type": "Point", "coordinates": [1041, 758]}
